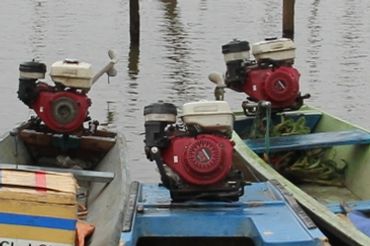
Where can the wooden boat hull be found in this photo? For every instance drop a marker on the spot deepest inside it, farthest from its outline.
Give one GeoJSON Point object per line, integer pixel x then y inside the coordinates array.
{"type": "Point", "coordinates": [318, 199]}
{"type": "Point", "coordinates": [106, 184]}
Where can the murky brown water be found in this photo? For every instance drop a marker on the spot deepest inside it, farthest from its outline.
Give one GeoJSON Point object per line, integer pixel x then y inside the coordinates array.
{"type": "Point", "coordinates": [180, 44]}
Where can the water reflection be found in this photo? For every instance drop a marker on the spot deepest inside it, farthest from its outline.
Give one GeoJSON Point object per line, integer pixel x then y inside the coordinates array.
{"type": "Point", "coordinates": [203, 6]}
{"type": "Point", "coordinates": [271, 20]}
{"type": "Point", "coordinates": [132, 88]}
{"type": "Point", "coordinates": [351, 40]}
{"type": "Point", "coordinates": [133, 62]}
{"type": "Point", "coordinates": [180, 73]}
{"type": "Point", "coordinates": [38, 34]}
{"type": "Point", "coordinates": [314, 40]}
{"type": "Point", "coordinates": [133, 72]}
{"type": "Point", "coordinates": [111, 112]}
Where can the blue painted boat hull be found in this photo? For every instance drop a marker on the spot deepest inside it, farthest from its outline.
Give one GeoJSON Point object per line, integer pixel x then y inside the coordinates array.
{"type": "Point", "coordinates": [262, 217]}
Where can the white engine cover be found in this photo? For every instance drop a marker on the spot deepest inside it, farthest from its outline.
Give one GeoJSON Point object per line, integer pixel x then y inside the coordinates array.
{"type": "Point", "coordinates": [277, 49]}
{"type": "Point", "coordinates": [209, 115]}
{"type": "Point", "coordinates": [72, 74]}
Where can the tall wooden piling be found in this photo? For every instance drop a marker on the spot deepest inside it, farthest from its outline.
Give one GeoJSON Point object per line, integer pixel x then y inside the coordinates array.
{"type": "Point", "coordinates": [288, 19]}
{"type": "Point", "coordinates": [134, 22]}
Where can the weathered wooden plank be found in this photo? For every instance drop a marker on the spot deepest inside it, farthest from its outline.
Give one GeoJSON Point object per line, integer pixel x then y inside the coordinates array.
{"type": "Point", "coordinates": [135, 22]}
{"type": "Point", "coordinates": [288, 19]}
{"type": "Point", "coordinates": [86, 175]}
{"type": "Point", "coordinates": [309, 141]}
{"type": "Point", "coordinates": [93, 143]}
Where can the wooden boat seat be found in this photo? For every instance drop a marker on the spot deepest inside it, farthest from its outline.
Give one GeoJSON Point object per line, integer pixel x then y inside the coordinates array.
{"type": "Point", "coordinates": [361, 205]}
{"type": "Point", "coordinates": [92, 143]}
{"type": "Point", "coordinates": [310, 141]}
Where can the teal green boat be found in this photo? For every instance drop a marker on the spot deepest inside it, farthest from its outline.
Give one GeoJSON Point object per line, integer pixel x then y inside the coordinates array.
{"type": "Point", "coordinates": [322, 161]}
{"type": "Point", "coordinates": [324, 198]}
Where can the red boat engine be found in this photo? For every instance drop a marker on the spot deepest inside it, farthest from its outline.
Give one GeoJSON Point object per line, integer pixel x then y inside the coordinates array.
{"type": "Point", "coordinates": [195, 160]}
{"type": "Point", "coordinates": [62, 111]}
{"type": "Point", "coordinates": [204, 159]}
{"type": "Point", "coordinates": [278, 85]}
{"type": "Point", "coordinates": [63, 107]}
{"type": "Point", "coordinates": [271, 77]}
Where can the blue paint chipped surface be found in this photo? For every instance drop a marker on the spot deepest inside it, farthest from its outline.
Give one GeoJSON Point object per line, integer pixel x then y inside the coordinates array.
{"type": "Point", "coordinates": [261, 214]}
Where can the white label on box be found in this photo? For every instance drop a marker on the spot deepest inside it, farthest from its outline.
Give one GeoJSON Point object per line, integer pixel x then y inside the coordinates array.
{"type": "Point", "coordinates": [23, 242]}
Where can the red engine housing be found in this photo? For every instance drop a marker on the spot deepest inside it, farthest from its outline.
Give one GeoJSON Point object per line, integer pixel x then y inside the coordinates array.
{"type": "Point", "coordinates": [63, 111]}
{"type": "Point", "coordinates": [201, 160]}
{"type": "Point", "coordinates": [279, 85]}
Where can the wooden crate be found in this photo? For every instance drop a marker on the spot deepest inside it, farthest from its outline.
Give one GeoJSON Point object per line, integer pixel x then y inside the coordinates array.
{"type": "Point", "coordinates": [37, 208]}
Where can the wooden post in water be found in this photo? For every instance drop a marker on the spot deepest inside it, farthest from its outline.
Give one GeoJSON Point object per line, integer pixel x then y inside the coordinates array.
{"type": "Point", "coordinates": [288, 19]}
{"type": "Point", "coordinates": [134, 22]}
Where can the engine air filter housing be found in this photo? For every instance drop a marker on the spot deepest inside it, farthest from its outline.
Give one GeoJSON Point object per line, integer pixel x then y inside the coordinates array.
{"type": "Point", "coordinates": [236, 50]}
{"type": "Point", "coordinates": [32, 70]}
{"type": "Point", "coordinates": [209, 115]}
{"type": "Point", "coordinates": [274, 49]}
{"type": "Point", "coordinates": [161, 112]}
{"type": "Point", "coordinates": [72, 73]}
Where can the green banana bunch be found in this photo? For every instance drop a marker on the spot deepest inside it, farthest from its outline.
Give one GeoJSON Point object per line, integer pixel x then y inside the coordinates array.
{"type": "Point", "coordinates": [288, 127]}
{"type": "Point", "coordinates": [311, 166]}
{"type": "Point", "coordinates": [303, 166]}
